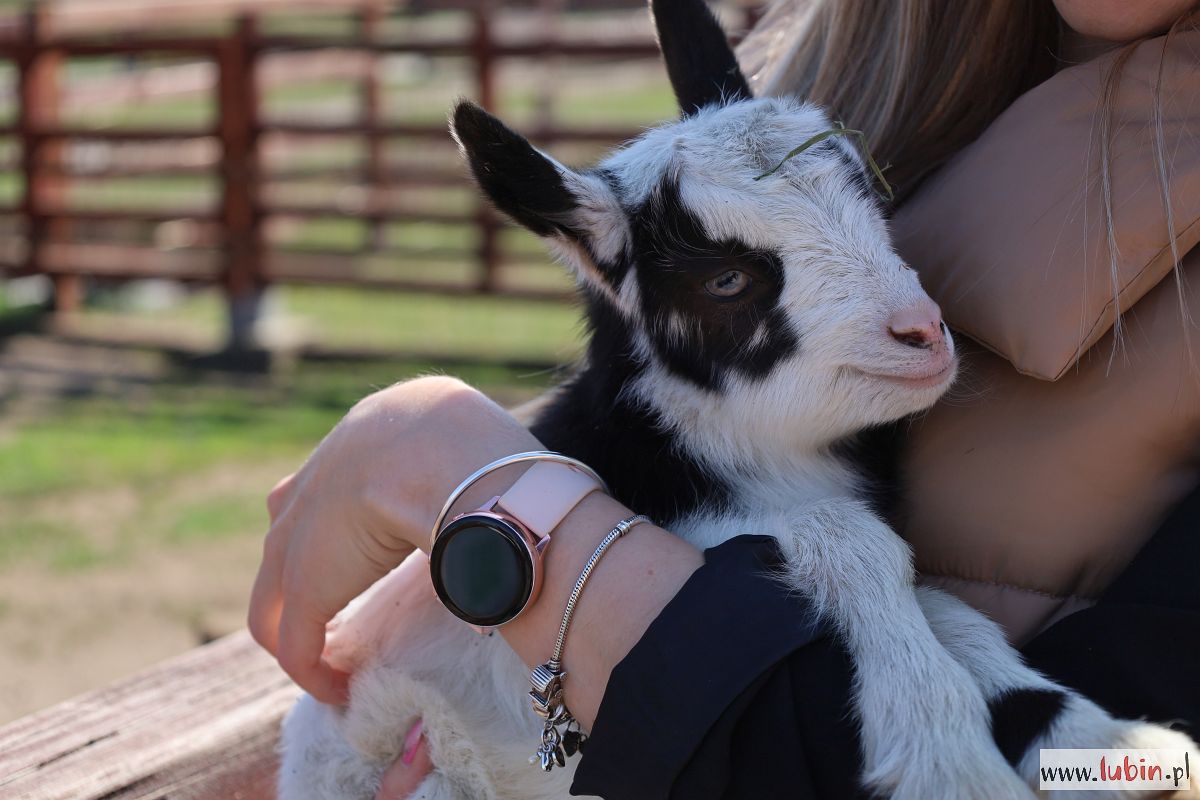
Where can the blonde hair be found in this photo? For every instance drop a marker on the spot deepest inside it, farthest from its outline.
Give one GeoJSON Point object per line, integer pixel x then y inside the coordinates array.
{"type": "Point", "coordinates": [922, 78]}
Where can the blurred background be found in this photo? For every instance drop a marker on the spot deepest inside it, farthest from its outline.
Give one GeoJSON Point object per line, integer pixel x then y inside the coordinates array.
{"type": "Point", "coordinates": [221, 223]}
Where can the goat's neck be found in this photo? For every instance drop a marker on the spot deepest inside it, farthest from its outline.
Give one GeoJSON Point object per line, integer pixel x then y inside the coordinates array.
{"type": "Point", "coordinates": [591, 419]}
{"type": "Point", "coordinates": [599, 417]}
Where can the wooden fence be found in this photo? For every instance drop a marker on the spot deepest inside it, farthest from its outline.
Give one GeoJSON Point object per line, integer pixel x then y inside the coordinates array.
{"type": "Point", "coordinates": [243, 262]}
{"type": "Point", "coordinates": [202, 726]}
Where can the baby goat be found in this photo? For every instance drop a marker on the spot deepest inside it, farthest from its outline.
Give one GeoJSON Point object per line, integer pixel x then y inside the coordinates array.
{"type": "Point", "coordinates": [743, 331]}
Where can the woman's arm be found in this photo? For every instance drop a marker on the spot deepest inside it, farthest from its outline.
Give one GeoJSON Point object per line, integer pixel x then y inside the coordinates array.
{"type": "Point", "coordinates": [368, 496]}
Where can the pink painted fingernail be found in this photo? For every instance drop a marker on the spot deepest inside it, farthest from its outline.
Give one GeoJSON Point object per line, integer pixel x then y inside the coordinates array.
{"type": "Point", "coordinates": [411, 741]}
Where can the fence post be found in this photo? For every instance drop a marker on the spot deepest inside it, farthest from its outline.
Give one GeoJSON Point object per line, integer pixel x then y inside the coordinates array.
{"type": "Point", "coordinates": [244, 278]}
{"type": "Point", "coordinates": [37, 108]}
{"type": "Point", "coordinates": [482, 52]}
{"type": "Point", "coordinates": [372, 102]}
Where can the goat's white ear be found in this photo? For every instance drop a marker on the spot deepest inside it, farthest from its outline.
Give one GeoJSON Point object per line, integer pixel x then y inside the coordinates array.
{"type": "Point", "coordinates": [700, 61]}
{"type": "Point", "coordinates": [578, 211]}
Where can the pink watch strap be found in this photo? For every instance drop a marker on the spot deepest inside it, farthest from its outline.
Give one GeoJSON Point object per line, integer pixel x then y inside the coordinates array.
{"type": "Point", "coordinates": [545, 494]}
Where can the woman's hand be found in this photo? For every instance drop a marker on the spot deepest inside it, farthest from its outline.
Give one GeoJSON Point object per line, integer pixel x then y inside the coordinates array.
{"type": "Point", "coordinates": [365, 499]}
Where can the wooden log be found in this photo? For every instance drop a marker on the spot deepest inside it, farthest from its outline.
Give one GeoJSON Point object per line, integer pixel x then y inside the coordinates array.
{"type": "Point", "coordinates": [127, 134]}
{"type": "Point", "coordinates": [130, 261]}
{"type": "Point", "coordinates": [199, 727]}
{"type": "Point", "coordinates": [438, 132]}
{"type": "Point", "coordinates": [447, 46]}
{"type": "Point", "coordinates": [198, 213]}
{"type": "Point", "coordinates": [163, 44]}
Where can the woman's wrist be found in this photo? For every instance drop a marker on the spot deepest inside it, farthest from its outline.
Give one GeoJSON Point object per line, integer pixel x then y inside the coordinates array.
{"type": "Point", "coordinates": [639, 574]}
{"type": "Point", "coordinates": [493, 484]}
{"type": "Point", "coordinates": [428, 414]}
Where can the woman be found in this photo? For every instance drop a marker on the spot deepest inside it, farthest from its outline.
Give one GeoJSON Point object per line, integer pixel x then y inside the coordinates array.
{"type": "Point", "coordinates": [1029, 498]}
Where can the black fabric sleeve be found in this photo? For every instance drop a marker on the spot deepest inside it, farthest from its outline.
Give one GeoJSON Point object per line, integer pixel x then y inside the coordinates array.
{"type": "Point", "coordinates": [736, 690]}
{"type": "Point", "coordinates": [1135, 652]}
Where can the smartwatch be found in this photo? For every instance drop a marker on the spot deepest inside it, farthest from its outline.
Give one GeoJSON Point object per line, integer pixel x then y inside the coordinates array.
{"type": "Point", "coordinates": [486, 564]}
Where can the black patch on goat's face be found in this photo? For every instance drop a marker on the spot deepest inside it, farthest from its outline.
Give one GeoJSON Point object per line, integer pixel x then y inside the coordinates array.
{"type": "Point", "coordinates": [696, 335]}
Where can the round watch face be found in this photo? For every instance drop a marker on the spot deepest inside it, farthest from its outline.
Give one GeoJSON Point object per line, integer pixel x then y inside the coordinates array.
{"type": "Point", "coordinates": [482, 570]}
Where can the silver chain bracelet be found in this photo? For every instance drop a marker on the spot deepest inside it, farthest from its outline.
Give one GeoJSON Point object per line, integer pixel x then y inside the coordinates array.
{"type": "Point", "coordinates": [547, 694]}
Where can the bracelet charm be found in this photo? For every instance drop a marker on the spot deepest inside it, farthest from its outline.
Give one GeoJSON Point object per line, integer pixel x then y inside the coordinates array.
{"type": "Point", "coordinates": [547, 679]}
{"type": "Point", "coordinates": [551, 751]}
{"type": "Point", "coordinates": [547, 690]}
{"type": "Point", "coordinates": [547, 699]}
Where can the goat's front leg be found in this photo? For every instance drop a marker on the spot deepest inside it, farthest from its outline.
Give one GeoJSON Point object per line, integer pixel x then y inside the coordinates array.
{"type": "Point", "coordinates": [925, 726]}
{"type": "Point", "coordinates": [1029, 711]}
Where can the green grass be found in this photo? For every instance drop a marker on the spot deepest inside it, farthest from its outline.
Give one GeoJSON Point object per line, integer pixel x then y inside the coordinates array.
{"type": "Point", "coordinates": [646, 104]}
{"type": "Point", "coordinates": [483, 329]}
{"type": "Point", "coordinates": [28, 537]}
{"type": "Point", "coordinates": [98, 442]}
{"type": "Point", "coordinates": [328, 234]}
{"type": "Point", "coordinates": [183, 427]}
{"type": "Point", "coordinates": [172, 191]}
{"type": "Point", "coordinates": [208, 521]}
{"type": "Point", "coordinates": [489, 328]}
{"type": "Point", "coordinates": [155, 452]}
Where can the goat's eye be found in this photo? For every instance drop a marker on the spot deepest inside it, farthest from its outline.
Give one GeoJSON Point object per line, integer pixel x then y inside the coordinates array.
{"type": "Point", "coordinates": [728, 284]}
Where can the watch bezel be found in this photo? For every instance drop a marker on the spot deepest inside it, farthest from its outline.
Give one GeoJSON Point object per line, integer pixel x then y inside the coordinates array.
{"type": "Point", "coordinates": [512, 531]}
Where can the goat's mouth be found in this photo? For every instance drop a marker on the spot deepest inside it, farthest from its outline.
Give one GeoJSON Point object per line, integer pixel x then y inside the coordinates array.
{"type": "Point", "coordinates": [939, 377]}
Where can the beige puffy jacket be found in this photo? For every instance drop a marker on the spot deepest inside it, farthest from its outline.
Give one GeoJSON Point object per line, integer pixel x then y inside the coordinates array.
{"type": "Point", "coordinates": [1067, 439]}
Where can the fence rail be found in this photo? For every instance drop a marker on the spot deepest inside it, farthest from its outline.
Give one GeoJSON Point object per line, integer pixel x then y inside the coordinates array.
{"type": "Point", "coordinates": [202, 726]}
{"type": "Point", "coordinates": [244, 262]}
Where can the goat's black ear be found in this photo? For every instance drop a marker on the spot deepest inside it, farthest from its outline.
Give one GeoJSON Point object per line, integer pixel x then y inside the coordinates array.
{"type": "Point", "coordinates": [579, 213]}
{"type": "Point", "coordinates": [699, 58]}
{"type": "Point", "coordinates": [521, 181]}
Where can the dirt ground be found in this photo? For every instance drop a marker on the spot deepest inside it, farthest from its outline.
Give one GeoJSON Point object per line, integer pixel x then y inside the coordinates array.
{"type": "Point", "coordinates": [67, 632]}
{"type": "Point", "coordinates": [65, 635]}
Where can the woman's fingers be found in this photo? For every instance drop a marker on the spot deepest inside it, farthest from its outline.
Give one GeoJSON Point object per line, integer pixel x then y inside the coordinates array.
{"type": "Point", "coordinates": [289, 622]}
{"type": "Point", "coordinates": [266, 598]}
{"type": "Point", "coordinates": [266, 607]}
{"type": "Point", "coordinates": [408, 771]}
{"type": "Point", "coordinates": [278, 496]}
{"type": "Point", "coordinates": [300, 652]}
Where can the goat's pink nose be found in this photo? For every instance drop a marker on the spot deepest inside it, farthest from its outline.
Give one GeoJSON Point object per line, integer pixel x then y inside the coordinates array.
{"type": "Point", "coordinates": [918, 326]}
